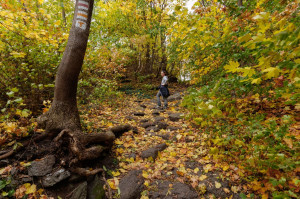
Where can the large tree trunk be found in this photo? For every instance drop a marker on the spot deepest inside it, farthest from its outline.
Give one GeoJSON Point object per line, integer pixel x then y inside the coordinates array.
{"type": "Point", "coordinates": [63, 113]}
{"type": "Point", "coordinates": [62, 119]}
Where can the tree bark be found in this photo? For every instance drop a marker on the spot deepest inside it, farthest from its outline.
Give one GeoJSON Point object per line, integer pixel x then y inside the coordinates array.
{"type": "Point", "coordinates": [62, 120]}
{"type": "Point", "coordinates": [63, 113]}
{"type": "Point", "coordinates": [240, 3]}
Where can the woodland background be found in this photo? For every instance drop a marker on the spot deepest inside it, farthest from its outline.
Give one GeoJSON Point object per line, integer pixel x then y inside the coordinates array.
{"type": "Point", "coordinates": [240, 59]}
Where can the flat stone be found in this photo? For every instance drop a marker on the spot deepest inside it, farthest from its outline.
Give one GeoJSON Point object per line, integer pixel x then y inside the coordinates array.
{"type": "Point", "coordinates": [135, 130]}
{"type": "Point", "coordinates": [174, 97]}
{"type": "Point", "coordinates": [139, 113]}
{"type": "Point", "coordinates": [132, 185]}
{"type": "Point", "coordinates": [129, 117]}
{"type": "Point", "coordinates": [147, 124]}
{"type": "Point", "coordinates": [178, 190]}
{"type": "Point", "coordinates": [80, 192]}
{"type": "Point", "coordinates": [173, 128]}
{"type": "Point", "coordinates": [42, 167]}
{"type": "Point", "coordinates": [144, 120]}
{"type": "Point", "coordinates": [175, 116]}
{"type": "Point", "coordinates": [55, 177]}
{"type": "Point", "coordinates": [132, 155]}
{"type": "Point", "coordinates": [158, 118]}
{"type": "Point", "coordinates": [152, 128]}
{"type": "Point", "coordinates": [26, 179]}
{"type": "Point", "coordinates": [155, 112]}
{"type": "Point", "coordinates": [143, 106]}
{"type": "Point", "coordinates": [165, 136]}
{"type": "Point", "coordinates": [162, 125]}
{"type": "Point", "coordinates": [153, 152]}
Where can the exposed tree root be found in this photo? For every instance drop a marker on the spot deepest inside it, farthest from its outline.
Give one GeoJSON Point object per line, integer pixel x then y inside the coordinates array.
{"type": "Point", "coordinates": [85, 172]}
{"type": "Point", "coordinates": [82, 146]}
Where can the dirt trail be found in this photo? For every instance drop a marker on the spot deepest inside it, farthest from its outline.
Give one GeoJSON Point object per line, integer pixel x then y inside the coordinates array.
{"type": "Point", "coordinates": [162, 157]}
{"type": "Point", "coordinates": [165, 157]}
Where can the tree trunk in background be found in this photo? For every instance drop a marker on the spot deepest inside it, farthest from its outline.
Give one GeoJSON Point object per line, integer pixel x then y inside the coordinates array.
{"type": "Point", "coordinates": [63, 113]}
{"type": "Point", "coordinates": [163, 62]}
{"type": "Point", "coordinates": [148, 59]}
{"type": "Point", "coordinates": [240, 3]}
{"type": "Point", "coordinates": [63, 13]}
{"type": "Point", "coordinates": [202, 2]}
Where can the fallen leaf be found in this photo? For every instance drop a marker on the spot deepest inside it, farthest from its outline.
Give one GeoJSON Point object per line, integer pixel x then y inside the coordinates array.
{"type": "Point", "coordinates": [202, 177]}
{"type": "Point", "coordinates": [234, 189]}
{"type": "Point", "coordinates": [217, 185]}
{"type": "Point", "coordinates": [117, 173]}
{"type": "Point", "coordinates": [226, 190]}
{"type": "Point", "coordinates": [30, 188]}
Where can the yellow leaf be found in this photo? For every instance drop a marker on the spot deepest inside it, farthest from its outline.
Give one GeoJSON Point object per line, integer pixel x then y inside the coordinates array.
{"type": "Point", "coordinates": [179, 136]}
{"type": "Point", "coordinates": [57, 23]}
{"type": "Point", "coordinates": [232, 66]}
{"type": "Point", "coordinates": [111, 183]}
{"type": "Point", "coordinates": [123, 170]}
{"type": "Point", "coordinates": [214, 150]}
{"type": "Point", "coordinates": [173, 154]}
{"type": "Point", "coordinates": [17, 54]}
{"type": "Point", "coordinates": [256, 81]}
{"type": "Point", "coordinates": [239, 143]}
{"type": "Point", "coordinates": [117, 173]}
{"type": "Point", "coordinates": [119, 142]}
{"type": "Point", "coordinates": [146, 183]}
{"type": "Point", "coordinates": [196, 170]}
{"type": "Point", "coordinates": [25, 164]}
{"type": "Point", "coordinates": [145, 174]}
{"type": "Point", "coordinates": [109, 124]}
{"type": "Point", "coordinates": [265, 196]}
{"type": "Point", "coordinates": [247, 71]}
{"type": "Point", "coordinates": [245, 38]}
{"type": "Point", "coordinates": [234, 189]}
{"type": "Point", "coordinates": [226, 190]}
{"type": "Point", "coordinates": [271, 72]}
{"type": "Point", "coordinates": [225, 168]}
{"type": "Point", "coordinates": [30, 188]}
{"type": "Point", "coordinates": [217, 185]}
{"type": "Point", "coordinates": [202, 177]}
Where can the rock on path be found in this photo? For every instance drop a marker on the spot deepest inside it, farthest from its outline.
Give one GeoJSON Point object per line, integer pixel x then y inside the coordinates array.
{"type": "Point", "coordinates": [132, 185]}
{"type": "Point", "coordinates": [42, 167]}
{"type": "Point", "coordinates": [153, 152]}
{"type": "Point", "coordinates": [170, 190]}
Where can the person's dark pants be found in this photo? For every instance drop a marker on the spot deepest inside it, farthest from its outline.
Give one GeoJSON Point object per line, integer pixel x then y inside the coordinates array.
{"type": "Point", "coordinates": [158, 100]}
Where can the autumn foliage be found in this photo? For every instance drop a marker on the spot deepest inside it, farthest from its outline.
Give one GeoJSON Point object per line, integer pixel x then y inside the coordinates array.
{"type": "Point", "coordinates": [240, 62]}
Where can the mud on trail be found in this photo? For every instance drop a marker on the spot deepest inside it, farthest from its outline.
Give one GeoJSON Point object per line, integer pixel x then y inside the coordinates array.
{"type": "Point", "coordinates": [161, 156]}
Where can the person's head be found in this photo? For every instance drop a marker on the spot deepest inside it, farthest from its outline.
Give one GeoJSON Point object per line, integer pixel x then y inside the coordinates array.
{"type": "Point", "coordinates": [163, 73]}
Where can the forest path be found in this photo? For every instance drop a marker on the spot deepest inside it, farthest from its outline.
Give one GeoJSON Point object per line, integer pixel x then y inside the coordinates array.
{"type": "Point", "coordinates": [165, 157]}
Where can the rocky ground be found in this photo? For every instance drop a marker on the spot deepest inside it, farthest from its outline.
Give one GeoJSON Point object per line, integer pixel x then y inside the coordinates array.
{"type": "Point", "coordinates": [162, 157]}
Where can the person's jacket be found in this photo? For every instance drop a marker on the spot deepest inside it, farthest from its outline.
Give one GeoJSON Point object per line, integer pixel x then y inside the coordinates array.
{"type": "Point", "coordinates": [164, 91]}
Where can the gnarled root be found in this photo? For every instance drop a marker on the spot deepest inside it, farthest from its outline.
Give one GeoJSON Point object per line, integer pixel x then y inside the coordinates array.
{"type": "Point", "coordinates": [78, 142]}
{"type": "Point", "coordinates": [85, 172]}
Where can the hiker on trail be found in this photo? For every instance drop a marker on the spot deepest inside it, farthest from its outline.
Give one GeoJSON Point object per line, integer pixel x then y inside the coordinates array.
{"type": "Point", "coordinates": [163, 91]}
